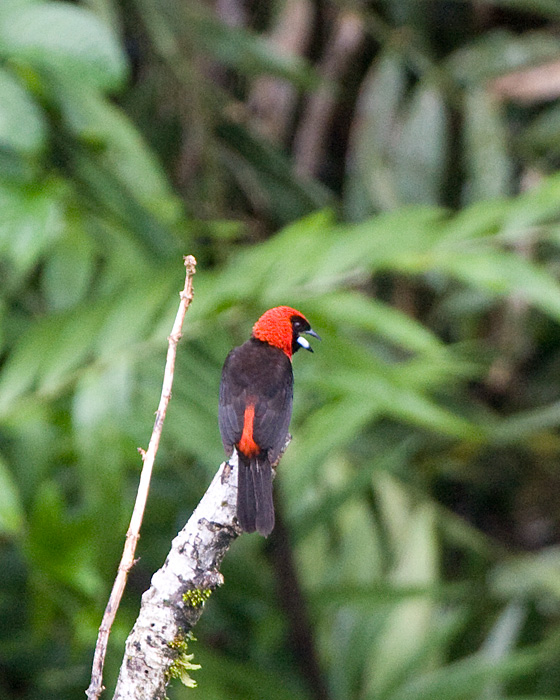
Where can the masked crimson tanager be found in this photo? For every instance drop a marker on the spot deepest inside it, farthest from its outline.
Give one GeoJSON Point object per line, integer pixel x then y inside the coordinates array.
{"type": "Point", "coordinates": [255, 409]}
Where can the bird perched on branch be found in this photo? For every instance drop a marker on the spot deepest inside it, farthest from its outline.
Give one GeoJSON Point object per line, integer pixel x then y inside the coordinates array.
{"type": "Point", "coordinates": [256, 406]}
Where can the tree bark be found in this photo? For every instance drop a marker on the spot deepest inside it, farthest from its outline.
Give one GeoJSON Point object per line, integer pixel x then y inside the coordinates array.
{"type": "Point", "coordinates": [174, 602]}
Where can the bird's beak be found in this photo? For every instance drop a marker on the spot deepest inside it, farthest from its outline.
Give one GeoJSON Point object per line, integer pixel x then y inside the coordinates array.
{"type": "Point", "coordinates": [304, 343]}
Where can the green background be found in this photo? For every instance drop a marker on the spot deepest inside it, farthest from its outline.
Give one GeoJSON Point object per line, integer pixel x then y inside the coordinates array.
{"type": "Point", "coordinates": [371, 166]}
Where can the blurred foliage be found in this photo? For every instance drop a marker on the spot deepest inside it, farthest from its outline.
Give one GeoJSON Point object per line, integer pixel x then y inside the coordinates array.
{"type": "Point", "coordinates": [390, 168]}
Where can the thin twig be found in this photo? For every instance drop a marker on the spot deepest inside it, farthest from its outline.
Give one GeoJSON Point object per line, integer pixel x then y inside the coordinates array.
{"type": "Point", "coordinates": [127, 560]}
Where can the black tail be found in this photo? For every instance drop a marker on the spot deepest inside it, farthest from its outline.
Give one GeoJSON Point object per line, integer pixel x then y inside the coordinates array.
{"type": "Point", "coordinates": [255, 509]}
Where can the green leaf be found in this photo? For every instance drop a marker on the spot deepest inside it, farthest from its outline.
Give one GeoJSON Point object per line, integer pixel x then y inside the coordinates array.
{"type": "Point", "coordinates": [378, 387]}
{"type": "Point", "coordinates": [68, 271]}
{"type": "Point", "coordinates": [115, 143]}
{"type": "Point", "coordinates": [408, 625]}
{"type": "Point", "coordinates": [30, 221]}
{"type": "Point", "coordinates": [52, 528]}
{"type": "Point", "coordinates": [47, 353]}
{"type": "Point", "coordinates": [131, 314]}
{"type": "Point", "coordinates": [341, 421]}
{"type": "Point", "coordinates": [421, 151]}
{"type": "Point", "coordinates": [521, 425]}
{"type": "Point", "coordinates": [378, 243]}
{"type": "Point", "coordinates": [469, 676]}
{"type": "Point", "coordinates": [501, 272]}
{"type": "Point", "coordinates": [102, 398]}
{"type": "Point", "coordinates": [383, 592]}
{"type": "Point", "coordinates": [488, 163]}
{"type": "Point", "coordinates": [275, 187]}
{"type": "Point", "coordinates": [355, 311]}
{"type": "Point", "coordinates": [311, 515]}
{"type": "Point", "coordinates": [247, 52]}
{"type": "Point", "coordinates": [480, 220]}
{"type": "Point", "coordinates": [10, 5]}
{"type": "Point", "coordinates": [64, 37]}
{"type": "Point", "coordinates": [541, 136]}
{"type": "Point", "coordinates": [534, 207]}
{"type": "Point", "coordinates": [371, 177]}
{"type": "Point", "coordinates": [11, 511]}
{"type": "Point", "coordinates": [22, 126]}
{"type": "Point", "coordinates": [502, 52]}
{"type": "Point", "coordinates": [502, 639]}
{"type": "Point", "coordinates": [535, 575]}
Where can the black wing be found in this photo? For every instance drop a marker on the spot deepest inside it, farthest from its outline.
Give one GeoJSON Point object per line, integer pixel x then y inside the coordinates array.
{"type": "Point", "coordinates": [258, 374]}
{"type": "Point", "coordinates": [231, 408]}
{"type": "Point", "coordinates": [272, 416]}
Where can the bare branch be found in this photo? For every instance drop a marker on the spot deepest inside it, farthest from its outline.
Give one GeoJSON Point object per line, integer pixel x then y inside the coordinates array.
{"type": "Point", "coordinates": [127, 560]}
{"type": "Point", "coordinates": [174, 602]}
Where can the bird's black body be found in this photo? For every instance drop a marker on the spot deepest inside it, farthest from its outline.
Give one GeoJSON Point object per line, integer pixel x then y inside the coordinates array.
{"type": "Point", "coordinates": [256, 407]}
{"type": "Point", "coordinates": [254, 416]}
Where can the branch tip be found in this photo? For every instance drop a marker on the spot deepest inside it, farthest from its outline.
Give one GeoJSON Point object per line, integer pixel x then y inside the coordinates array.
{"type": "Point", "coordinates": [190, 264]}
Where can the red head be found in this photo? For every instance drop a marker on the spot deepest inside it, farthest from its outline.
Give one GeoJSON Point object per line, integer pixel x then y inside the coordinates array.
{"type": "Point", "coordinates": [281, 327]}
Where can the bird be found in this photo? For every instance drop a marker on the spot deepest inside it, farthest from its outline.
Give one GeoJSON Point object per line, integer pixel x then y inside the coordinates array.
{"type": "Point", "coordinates": [255, 407]}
